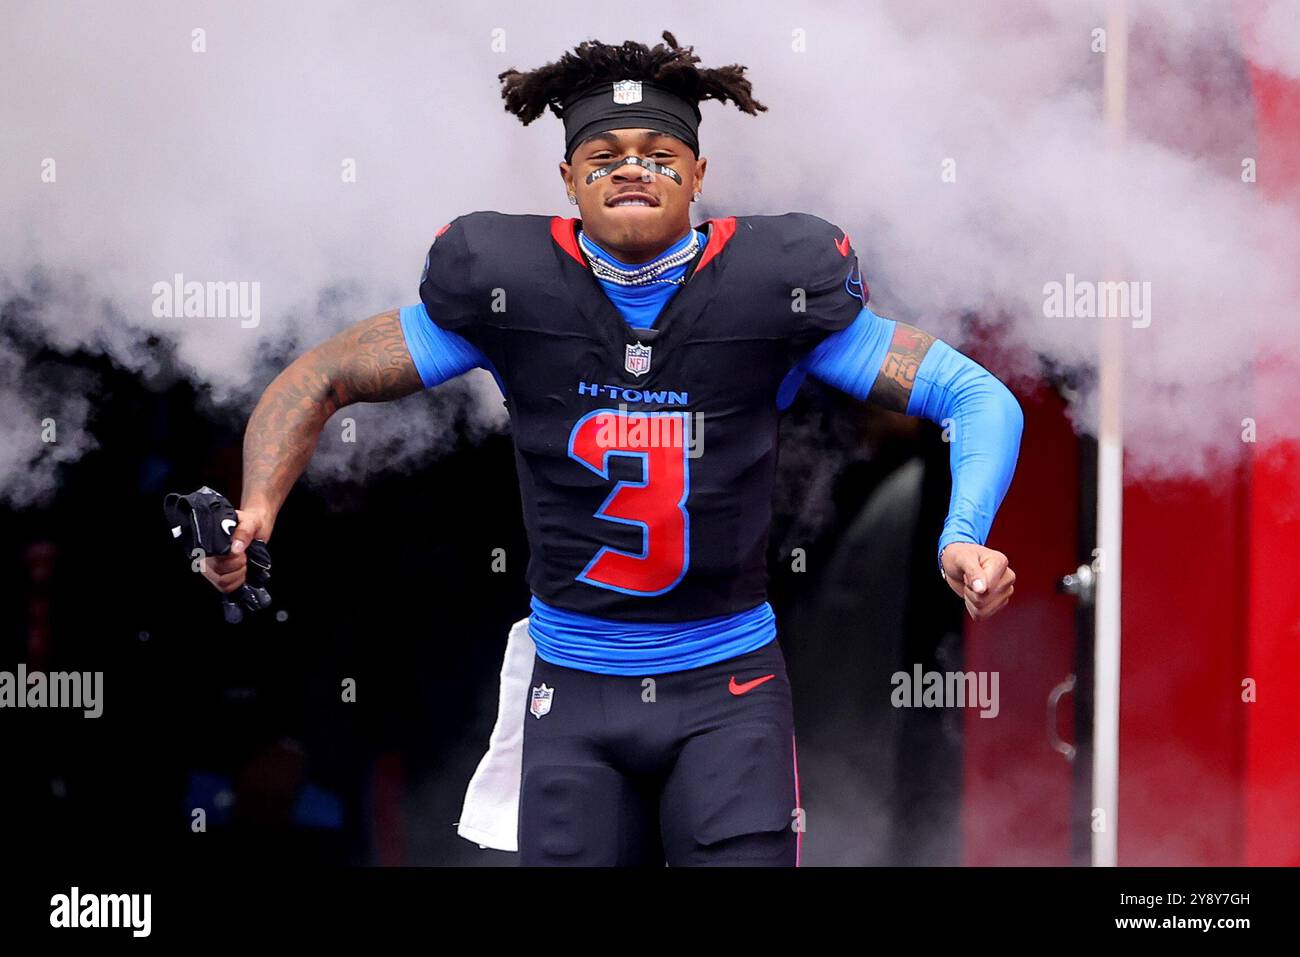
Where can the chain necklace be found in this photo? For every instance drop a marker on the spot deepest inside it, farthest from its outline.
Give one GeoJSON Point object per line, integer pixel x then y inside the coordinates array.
{"type": "Point", "coordinates": [645, 275]}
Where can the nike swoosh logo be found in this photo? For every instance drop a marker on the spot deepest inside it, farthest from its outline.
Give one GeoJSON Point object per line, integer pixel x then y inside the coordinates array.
{"type": "Point", "coordinates": [739, 689]}
{"type": "Point", "coordinates": [843, 245]}
{"type": "Point", "coordinates": [227, 524]}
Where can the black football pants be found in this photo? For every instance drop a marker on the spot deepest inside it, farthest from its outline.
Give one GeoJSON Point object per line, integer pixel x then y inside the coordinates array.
{"type": "Point", "coordinates": [693, 767]}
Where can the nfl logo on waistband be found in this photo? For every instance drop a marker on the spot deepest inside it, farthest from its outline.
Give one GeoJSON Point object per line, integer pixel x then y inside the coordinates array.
{"type": "Point", "coordinates": [541, 703]}
{"type": "Point", "coordinates": [637, 359]}
{"type": "Point", "coordinates": [627, 91]}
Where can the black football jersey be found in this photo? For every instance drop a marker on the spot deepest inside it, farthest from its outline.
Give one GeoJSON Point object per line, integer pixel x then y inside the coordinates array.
{"type": "Point", "coordinates": [646, 457]}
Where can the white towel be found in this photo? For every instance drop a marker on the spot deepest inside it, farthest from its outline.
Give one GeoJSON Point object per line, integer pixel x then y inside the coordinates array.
{"type": "Point", "coordinates": [490, 815]}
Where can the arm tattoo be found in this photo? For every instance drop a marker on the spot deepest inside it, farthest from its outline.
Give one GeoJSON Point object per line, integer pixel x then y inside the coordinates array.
{"type": "Point", "coordinates": [368, 362]}
{"type": "Point", "coordinates": [893, 386]}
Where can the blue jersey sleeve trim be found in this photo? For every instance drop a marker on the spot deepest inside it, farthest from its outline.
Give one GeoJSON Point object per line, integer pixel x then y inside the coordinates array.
{"type": "Point", "coordinates": [849, 359]}
{"type": "Point", "coordinates": [438, 355]}
{"type": "Point", "coordinates": [984, 423]}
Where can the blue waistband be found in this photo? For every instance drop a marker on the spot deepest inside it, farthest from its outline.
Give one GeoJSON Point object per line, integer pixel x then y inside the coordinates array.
{"type": "Point", "coordinates": [607, 646]}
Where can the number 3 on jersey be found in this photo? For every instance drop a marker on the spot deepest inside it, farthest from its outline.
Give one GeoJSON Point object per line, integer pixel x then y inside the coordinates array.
{"type": "Point", "coordinates": [656, 504]}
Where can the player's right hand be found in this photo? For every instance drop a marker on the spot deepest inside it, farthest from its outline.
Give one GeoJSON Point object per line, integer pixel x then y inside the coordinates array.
{"type": "Point", "coordinates": [227, 572]}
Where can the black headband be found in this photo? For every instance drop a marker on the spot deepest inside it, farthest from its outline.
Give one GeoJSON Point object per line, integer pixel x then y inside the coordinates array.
{"type": "Point", "coordinates": [638, 104]}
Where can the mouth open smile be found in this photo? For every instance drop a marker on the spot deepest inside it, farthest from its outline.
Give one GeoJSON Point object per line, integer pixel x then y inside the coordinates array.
{"type": "Point", "coordinates": [632, 199]}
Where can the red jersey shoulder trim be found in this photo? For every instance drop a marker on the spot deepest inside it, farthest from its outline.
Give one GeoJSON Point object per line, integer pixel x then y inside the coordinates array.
{"type": "Point", "coordinates": [719, 236]}
{"type": "Point", "coordinates": [565, 234]}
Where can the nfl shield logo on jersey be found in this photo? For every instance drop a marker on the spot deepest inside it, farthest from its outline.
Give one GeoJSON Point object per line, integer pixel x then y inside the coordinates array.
{"type": "Point", "coordinates": [637, 359]}
{"type": "Point", "coordinates": [627, 91]}
{"type": "Point", "coordinates": [541, 702]}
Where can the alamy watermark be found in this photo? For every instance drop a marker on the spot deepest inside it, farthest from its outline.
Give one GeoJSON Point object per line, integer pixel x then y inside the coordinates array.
{"type": "Point", "coordinates": [1085, 299]}
{"type": "Point", "coordinates": [59, 689]}
{"type": "Point", "coordinates": [946, 689]}
{"type": "Point", "coordinates": [76, 909]}
{"type": "Point", "coordinates": [208, 300]}
{"type": "Point", "coordinates": [629, 431]}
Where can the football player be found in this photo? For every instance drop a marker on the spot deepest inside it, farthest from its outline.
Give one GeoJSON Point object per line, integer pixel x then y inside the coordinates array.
{"type": "Point", "coordinates": [645, 713]}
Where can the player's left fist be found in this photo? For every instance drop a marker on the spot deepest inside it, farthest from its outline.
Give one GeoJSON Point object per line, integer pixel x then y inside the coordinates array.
{"type": "Point", "coordinates": [981, 576]}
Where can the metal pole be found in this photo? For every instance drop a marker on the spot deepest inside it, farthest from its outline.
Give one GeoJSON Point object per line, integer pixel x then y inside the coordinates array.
{"type": "Point", "coordinates": [1110, 484]}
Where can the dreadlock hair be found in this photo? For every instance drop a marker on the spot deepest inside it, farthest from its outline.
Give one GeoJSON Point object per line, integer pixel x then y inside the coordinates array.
{"type": "Point", "coordinates": [527, 95]}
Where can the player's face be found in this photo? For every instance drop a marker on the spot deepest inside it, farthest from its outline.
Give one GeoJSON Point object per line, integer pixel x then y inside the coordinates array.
{"type": "Point", "coordinates": [632, 212]}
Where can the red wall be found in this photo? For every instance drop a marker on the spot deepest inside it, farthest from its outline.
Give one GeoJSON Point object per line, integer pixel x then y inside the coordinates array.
{"type": "Point", "coordinates": [1211, 597]}
{"type": "Point", "coordinates": [1015, 788]}
{"type": "Point", "coordinates": [1182, 724]}
{"type": "Point", "coordinates": [1210, 600]}
{"type": "Point", "coordinates": [1273, 728]}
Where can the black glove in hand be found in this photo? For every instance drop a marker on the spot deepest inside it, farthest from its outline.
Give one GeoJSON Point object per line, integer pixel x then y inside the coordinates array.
{"type": "Point", "coordinates": [204, 520]}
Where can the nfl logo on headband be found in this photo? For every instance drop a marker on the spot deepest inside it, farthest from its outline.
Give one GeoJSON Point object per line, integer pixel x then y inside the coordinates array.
{"type": "Point", "coordinates": [627, 91]}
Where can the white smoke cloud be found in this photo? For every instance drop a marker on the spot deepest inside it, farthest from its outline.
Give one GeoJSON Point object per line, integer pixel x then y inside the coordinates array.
{"type": "Point", "coordinates": [43, 430]}
{"type": "Point", "coordinates": [225, 165]}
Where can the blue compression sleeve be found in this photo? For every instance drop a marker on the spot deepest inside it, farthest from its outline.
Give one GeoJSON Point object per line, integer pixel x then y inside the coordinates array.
{"type": "Point", "coordinates": [984, 418]}
{"type": "Point", "coordinates": [985, 423]}
{"type": "Point", "coordinates": [439, 355]}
